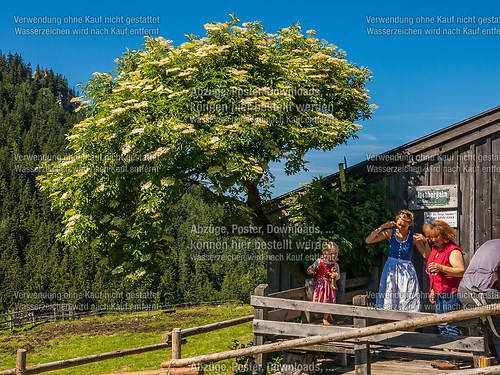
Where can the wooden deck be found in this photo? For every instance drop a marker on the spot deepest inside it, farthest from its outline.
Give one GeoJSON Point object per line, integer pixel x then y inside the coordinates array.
{"type": "Point", "coordinates": [387, 367]}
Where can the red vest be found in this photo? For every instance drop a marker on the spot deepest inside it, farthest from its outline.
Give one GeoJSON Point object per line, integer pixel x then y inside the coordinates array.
{"type": "Point", "coordinates": [442, 282]}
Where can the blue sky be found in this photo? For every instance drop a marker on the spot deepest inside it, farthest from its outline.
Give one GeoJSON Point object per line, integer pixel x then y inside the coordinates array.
{"type": "Point", "coordinates": [421, 83]}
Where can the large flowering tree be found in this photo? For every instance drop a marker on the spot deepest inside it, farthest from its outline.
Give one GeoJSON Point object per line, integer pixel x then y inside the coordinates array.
{"type": "Point", "coordinates": [213, 112]}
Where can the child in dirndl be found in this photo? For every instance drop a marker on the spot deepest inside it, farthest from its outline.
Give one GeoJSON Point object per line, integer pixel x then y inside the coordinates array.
{"type": "Point", "coordinates": [327, 272]}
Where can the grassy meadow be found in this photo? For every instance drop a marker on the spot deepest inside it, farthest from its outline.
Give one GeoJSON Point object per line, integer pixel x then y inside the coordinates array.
{"type": "Point", "coordinates": [60, 340]}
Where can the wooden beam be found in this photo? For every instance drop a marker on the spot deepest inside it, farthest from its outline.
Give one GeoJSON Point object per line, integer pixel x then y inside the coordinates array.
{"type": "Point", "coordinates": [297, 293]}
{"type": "Point", "coordinates": [191, 370]}
{"type": "Point", "coordinates": [343, 310]}
{"type": "Point", "coordinates": [358, 281]}
{"type": "Point", "coordinates": [37, 369]}
{"type": "Point", "coordinates": [336, 309]}
{"type": "Point", "coordinates": [397, 338]}
{"type": "Point", "coordinates": [329, 348]}
{"type": "Point", "coordinates": [455, 139]}
{"type": "Point", "coordinates": [478, 371]}
{"type": "Point", "coordinates": [451, 317]}
{"type": "Point", "coordinates": [215, 326]}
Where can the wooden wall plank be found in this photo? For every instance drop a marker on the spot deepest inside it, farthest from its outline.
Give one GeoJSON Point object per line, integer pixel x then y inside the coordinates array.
{"type": "Point", "coordinates": [466, 200]}
{"type": "Point", "coordinates": [482, 216]}
{"type": "Point", "coordinates": [436, 172]}
{"type": "Point", "coordinates": [450, 168]}
{"type": "Point", "coordinates": [495, 184]}
{"type": "Point", "coordinates": [273, 275]}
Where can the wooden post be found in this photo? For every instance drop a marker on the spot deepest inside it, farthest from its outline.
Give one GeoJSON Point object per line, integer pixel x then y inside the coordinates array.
{"type": "Point", "coordinates": [362, 365]}
{"type": "Point", "coordinates": [341, 357]}
{"type": "Point", "coordinates": [341, 285]}
{"type": "Point", "coordinates": [11, 326]}
{"type": "Point", "coordinates": [477, 360]}
{"type": "Point", "coordinates": [261, 314]}
{"type": "Point", "coordinates": [373, 285]}
{"type": "Point", "coordinates": [308, 296]}
{"type": "Point", "coordinates": [176, 343]}
{"type": "Point", "coordinates": [21, 362]}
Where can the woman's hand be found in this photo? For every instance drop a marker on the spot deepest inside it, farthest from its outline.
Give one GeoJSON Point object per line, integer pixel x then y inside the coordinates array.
{"type": "Point", "coordinates": [432, 296]}
{"type": "Point", "coordinates": [419, 237]}
{"type": "Point", "coordinates": [388, 224]}
{"type": "Point", "coordinates": [434, 268]}
{"type": "Point", "coordinates": [379, 234]}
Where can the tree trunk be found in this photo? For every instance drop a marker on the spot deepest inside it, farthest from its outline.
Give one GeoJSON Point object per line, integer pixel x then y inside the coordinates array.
{"type": "Point", "coordinates": [262, 221]}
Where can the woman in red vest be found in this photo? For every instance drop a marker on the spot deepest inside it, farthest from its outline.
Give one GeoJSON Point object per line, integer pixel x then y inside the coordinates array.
{"type": "Point", "coordinates": [445, 266]}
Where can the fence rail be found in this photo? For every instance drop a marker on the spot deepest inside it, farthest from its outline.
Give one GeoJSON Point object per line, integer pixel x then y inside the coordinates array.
{"type": "Point", "coordinates": [173, 340]}
{"type": "Point", "coordinates": [67, 311]}
{"type": "Point", "coordinates": [18, 319]}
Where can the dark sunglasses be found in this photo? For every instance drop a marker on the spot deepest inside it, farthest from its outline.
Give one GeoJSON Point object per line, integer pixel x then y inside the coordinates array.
{"type": "Point", "coordinates": [406, 214]}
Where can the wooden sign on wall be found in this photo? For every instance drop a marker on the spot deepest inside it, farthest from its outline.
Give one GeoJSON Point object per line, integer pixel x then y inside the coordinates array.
{"type": "Point", "coordinates": [428, 197]}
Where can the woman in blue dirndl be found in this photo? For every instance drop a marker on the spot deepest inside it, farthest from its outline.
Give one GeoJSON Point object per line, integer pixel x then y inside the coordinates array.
{"type": "Point", "coordinates": [399, 288]}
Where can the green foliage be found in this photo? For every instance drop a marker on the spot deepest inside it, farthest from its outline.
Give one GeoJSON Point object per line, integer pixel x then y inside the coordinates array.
{"type": "Point", "coordinates": [212, 266]}
{"type": "Point", "coordinates": [35, 114]}
{"type": "Point", "coordinates": [36, 269]}
{"type": "Point", "coordinates": [242, 365]}
{"type": "Point", "coordinates": [213, 112]}
{"type": "Point", "coordinates": [347, 217]}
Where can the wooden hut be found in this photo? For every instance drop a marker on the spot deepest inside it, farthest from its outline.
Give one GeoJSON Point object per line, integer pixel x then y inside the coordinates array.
{"type": "Point", "coordinates": [452, 174]}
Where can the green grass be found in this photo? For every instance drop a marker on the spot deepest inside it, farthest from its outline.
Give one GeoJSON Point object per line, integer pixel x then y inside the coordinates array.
{"type": "Point", "coordinates": [70, 339]}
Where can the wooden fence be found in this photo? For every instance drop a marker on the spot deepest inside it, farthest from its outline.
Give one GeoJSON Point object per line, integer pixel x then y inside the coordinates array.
{"type": "Point", "coordinates": [359, 334]}
{"type": "Point", "coordinates": [67, 311]}
{"type": "Point", "coordinates": [173, 340]}
{"type": "Point", "coordinates": [291, 304]}
{"type": "Point", "coordinates": [21, 318]}
{"type": "Point", "coordinates": [358, 340]}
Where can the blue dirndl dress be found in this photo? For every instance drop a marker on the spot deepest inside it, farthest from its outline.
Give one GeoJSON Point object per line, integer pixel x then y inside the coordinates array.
{"type": "Point", "coordinates": [399, 288]}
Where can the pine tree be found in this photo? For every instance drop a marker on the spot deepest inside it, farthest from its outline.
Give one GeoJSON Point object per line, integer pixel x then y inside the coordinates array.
{"type": "Point", "coordinates": [35, 115]}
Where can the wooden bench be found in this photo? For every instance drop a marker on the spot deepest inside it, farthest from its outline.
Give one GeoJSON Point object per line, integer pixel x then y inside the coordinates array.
{"type": "Point", "coordinates": [273, 315]}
